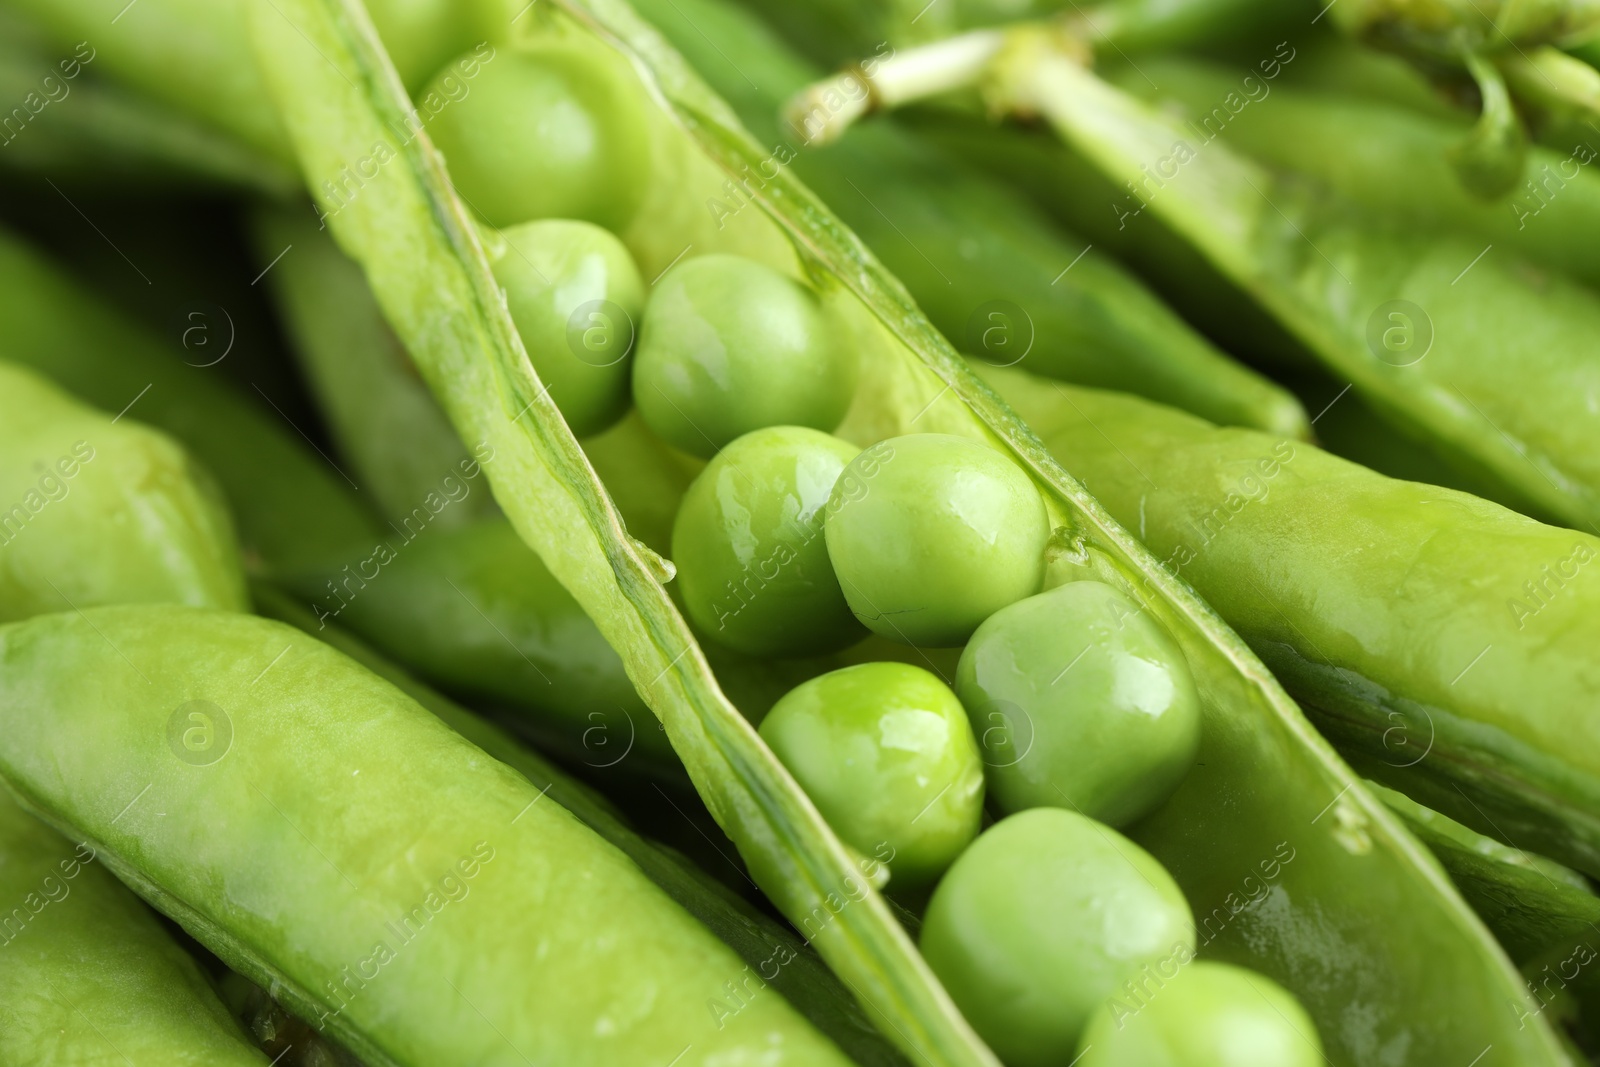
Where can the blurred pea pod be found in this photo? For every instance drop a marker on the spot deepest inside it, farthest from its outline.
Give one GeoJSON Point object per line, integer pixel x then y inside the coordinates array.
{"type": "Point", "coordinates": [417, 245]}
{"type": "Point", "coordinates": [406, 925]}
{"type": "Point", "coordinates": [1443, 642]}
{"type": "Point", "coordinates": [1474, 352]}
{"type": "Point", "coordinates": [87, 975]}
{"type": "Point", "coordinates": [95, 510]}
{"type": "Point", "coordinates": [291, 506]}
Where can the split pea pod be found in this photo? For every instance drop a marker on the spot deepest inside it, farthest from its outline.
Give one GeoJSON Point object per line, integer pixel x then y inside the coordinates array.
{"type": "Point", "coordinates": [416, 242]}
{"type": "Point", "coordinates": [1444, 642]}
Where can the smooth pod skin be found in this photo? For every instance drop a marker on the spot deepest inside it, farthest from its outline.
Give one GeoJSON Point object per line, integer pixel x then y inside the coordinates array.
{"type": "Point", "coordinates": [550, 129]}
{"type": "Point", "coordinates": [752, 562]}
{"type": "Point", "coordinates": [1376, 602]}
{"type": "Point", "coordinates": [1095, 707]}
{"type": "Point", "coordinates": [729, 345]}
{"type": "Point", "coordinates": [576, 298]}
{"type": "Point", "coordinates": [87, 974]}
{"type": "Point", "coordinates": [95, 510]}
{"type": "Point", "coordinates": [1210, 1015]}
{"type": "Point", "coordinates": [930, 534]}
{"type": "Point", "coordinates": [1046, 915]}
{"type": "Point", "coordinates": [326, 834]}
{"type": "Point", "coordinates": [885, 752]}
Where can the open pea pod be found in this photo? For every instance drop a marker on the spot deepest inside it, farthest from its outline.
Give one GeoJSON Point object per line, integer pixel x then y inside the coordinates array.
{"type": "Point", "coordinates": [1268, 794]}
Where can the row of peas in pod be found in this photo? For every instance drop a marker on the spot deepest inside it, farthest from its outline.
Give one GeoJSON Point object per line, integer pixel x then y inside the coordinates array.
{"type": "Point", "coordinates": [1056, 935]}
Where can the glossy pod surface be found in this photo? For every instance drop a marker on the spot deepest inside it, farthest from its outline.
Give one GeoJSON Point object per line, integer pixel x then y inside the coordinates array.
{"type": "Point", "coordinates": [748, 542]}
{"type": "Point", "coordinates": [88, 975]}
{"type": "Point", "coordinates": [1083, 701]}
{"type": "Point", "coordinates": [101, 511]}
{"type": "Point", "coordinates": [1376, 602]}
{"type": "Point", "coordinates": [399, 909]}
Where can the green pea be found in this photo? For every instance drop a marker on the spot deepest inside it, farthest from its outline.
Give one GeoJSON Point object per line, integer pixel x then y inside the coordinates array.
{"type": "Point", "coordinates": [553, 129]}
{"type": "Point", "coordinates": [885, 752]}
{"type": "Point", "coordinates": [1083, 701]}
{"type": "Point", "coordinates": [752, 563]}
{"type": "Point", "coordinates": [576, 297]}
{"type": "Point", "coordinates": [1210, 1015]}
{"type": "Point", "coordinates": [96, 510]}
{"type": "Point", "coordinates": [729, 345]}
{"type": "Point", "coordinates": [1043, 918]}
{"type": "Point", "coordinates": [931, 534]}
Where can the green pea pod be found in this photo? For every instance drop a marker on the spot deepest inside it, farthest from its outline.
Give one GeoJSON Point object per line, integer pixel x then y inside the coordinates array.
{"type": "Point", "coordinates": [379, 412]}
{"type": "Point", "coordinates": [1531, 903]}
{"type": "Point", "coordinates": [88, 974]}
{"type": "Point", "coordinates": [1356, 146]}
{"type": "Point", "coordinates": [1473, 351]}
{"type": "Point", "coordinates": [777, 956]}
{"type": "Point", "coordinates": [99, 511]}
{"type": "Point", "coordinates": [1440, 639]}
{"type": "Point", "coordinates": [448, 911]}
{"type": "Point", "coordinates": [272, 483]}
{"type": "Point", "coordinates": [1268, 798]}
{"type": "Point", "coordinates": [108, 135]}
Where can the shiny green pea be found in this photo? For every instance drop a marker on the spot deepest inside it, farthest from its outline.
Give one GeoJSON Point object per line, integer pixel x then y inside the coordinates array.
{"type": "Point", "coordinates": [752, 563]}
{"type": "Point", "coordinates": [885, 752]}
{"type": "Point", "coordinates": [729, 345]}
{"type": "Point", "coordinates": [1083, 701]}
{"type": "Point", "coordinates": [96, 510]}
{"type": "Point", "coordinates": [1210, 1015]}
{"type": "Point", "coordinates": [930, 534]}
{"type": "Point", "coordinates": [575, 296]}
{"type": "Point", "coordinates": [1041, 920]}
{"type": "Point", "coordinates": [553, 129]}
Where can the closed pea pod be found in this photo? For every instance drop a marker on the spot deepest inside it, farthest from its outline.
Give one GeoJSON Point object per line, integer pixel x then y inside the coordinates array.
{"type": "Point", "coordinates": [101, 511]}
{"type": "Point", "coordinates": [406, 925]}
{"type": "Point", "coordinates": [89, 976]}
